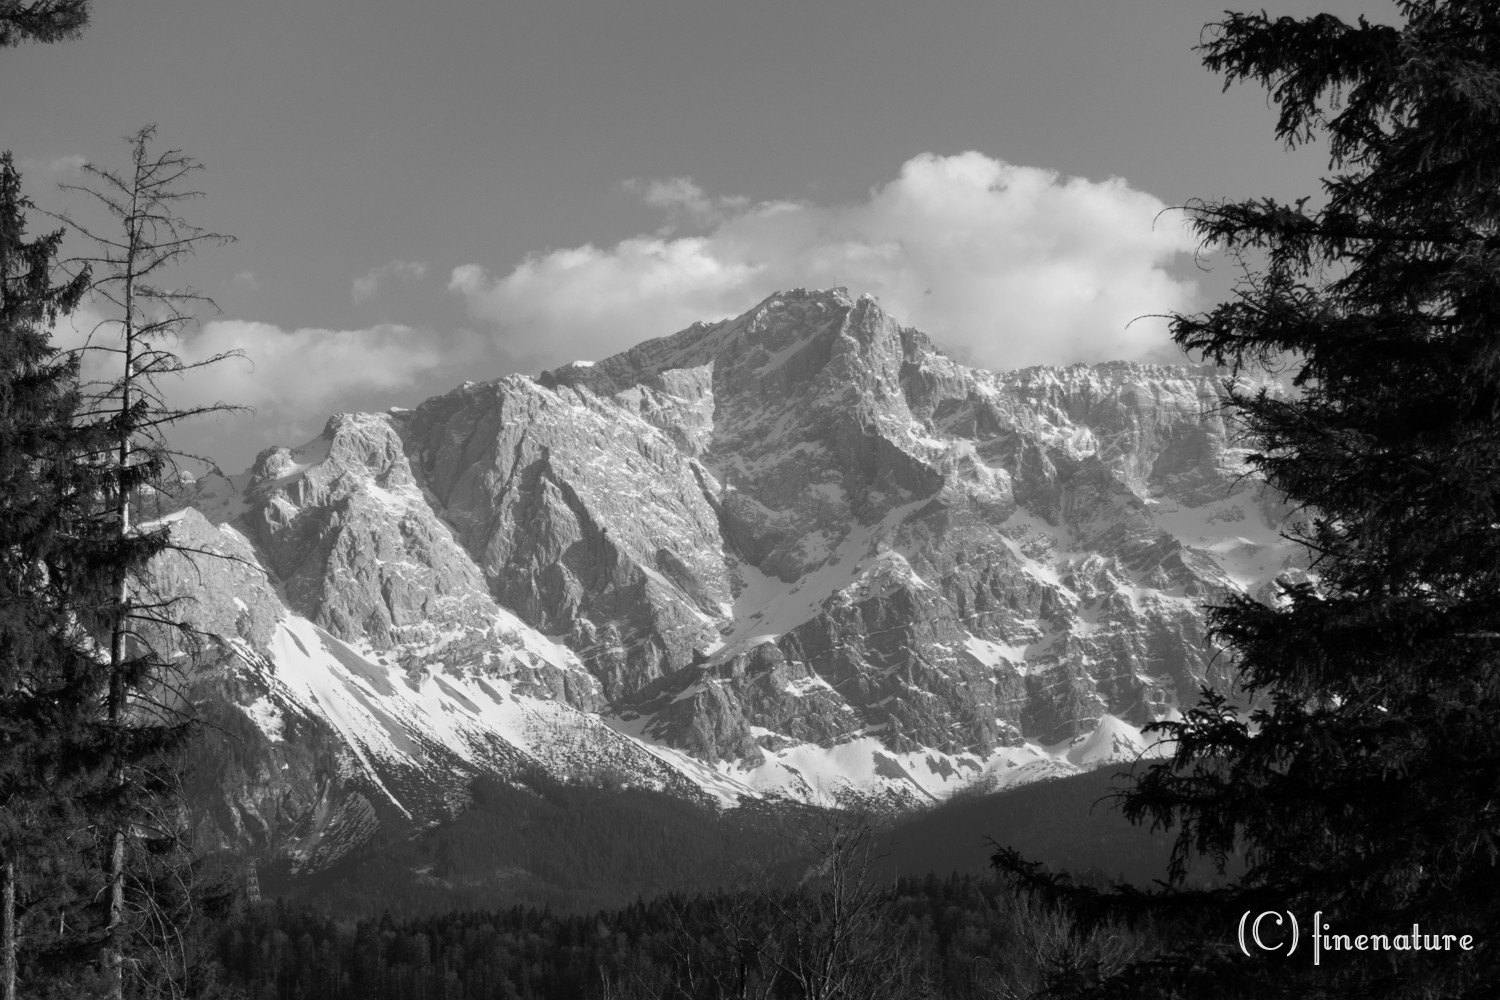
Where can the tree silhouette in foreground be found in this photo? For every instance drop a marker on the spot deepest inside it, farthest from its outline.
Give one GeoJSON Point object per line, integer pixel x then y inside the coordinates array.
{"type": "Point", "coordinates": [1367, 784]}
{"type": "Point", "coordinates": [57, 557]}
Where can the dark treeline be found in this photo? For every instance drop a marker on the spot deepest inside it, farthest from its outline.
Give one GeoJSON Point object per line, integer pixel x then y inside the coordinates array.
{"type": "Point", "coordinates": [960, 936]}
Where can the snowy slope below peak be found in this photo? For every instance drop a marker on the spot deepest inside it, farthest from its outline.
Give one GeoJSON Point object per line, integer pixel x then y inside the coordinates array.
{"type": "Point", "coordinates": [863, 771]}
{"type": "Point", "coordinates": [415, 736]}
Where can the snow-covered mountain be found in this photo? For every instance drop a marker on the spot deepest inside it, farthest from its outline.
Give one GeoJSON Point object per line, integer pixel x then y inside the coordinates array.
{"type": "Point", "coordinates": [797, 553]}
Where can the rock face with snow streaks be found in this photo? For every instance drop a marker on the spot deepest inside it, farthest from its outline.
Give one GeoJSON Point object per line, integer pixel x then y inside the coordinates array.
{"type": "Point", "coordinates": [951, 558]}
{"type": "Point", "coordinates": [798, 551]}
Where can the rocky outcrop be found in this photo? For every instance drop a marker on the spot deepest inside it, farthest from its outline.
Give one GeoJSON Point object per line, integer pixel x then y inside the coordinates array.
{"type": "Point", "coordinates": [360, 551]}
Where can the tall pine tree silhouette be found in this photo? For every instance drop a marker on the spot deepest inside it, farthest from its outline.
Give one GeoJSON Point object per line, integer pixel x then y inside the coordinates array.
{"type": "Point", "coordinates": [1367, 784]}
{"type": "Point", "coordinates": [57, 557]}
{"type": "Point", "coordinates": [34, 404]}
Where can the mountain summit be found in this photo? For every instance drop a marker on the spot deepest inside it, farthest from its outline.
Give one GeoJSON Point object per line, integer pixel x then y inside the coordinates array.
{"type": "Point", "coordinates": [797, 553]}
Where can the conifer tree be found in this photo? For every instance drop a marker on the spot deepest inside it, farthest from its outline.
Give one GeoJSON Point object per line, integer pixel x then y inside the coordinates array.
{"type": "Point", "coordinates": [34, 406]}
{"type": "Point", "coordinates": [47, 681]}
{"type": "Point", "coordinates": [1366, 786]}
{"type": "Point", "coordinates": [54, 557]}
{"type": "Point", "coordinates": [41, 20]}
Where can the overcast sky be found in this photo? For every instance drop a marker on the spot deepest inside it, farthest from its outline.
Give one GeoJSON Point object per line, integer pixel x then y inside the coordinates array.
{"type": "Point", "coordinates": [425, 193]}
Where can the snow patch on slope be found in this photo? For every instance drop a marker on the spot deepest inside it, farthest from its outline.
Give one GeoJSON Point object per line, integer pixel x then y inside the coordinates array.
{"type": "Point", "coordinates": [767, 608]}
{"type": "Point", "coordinates": [1233, 533]}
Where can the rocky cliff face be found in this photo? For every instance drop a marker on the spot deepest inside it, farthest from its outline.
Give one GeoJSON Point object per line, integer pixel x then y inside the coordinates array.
{"type": "Point", "coordinates": [800, 552]}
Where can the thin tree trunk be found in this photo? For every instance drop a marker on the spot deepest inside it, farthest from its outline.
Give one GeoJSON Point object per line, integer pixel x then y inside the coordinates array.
{"type": "Point", "coordinates": [113, 963]}
{"type": "Point", "coordinates": [8, 931]}
{"type": "Point", "coordinates": [114, 968]}
{"type": "Point", "coordinates": [114, 971]}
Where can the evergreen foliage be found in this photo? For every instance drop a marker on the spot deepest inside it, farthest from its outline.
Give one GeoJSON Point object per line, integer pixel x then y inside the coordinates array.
{"type": "Point", "coordinates": [57, 557]}
{"type": "Point", "coordinates": [1364, 783]}
{"type": "Point", "coordinates": [41, 20]}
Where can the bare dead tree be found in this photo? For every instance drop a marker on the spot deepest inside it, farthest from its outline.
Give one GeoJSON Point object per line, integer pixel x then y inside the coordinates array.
{"type": "Point", "coordinates": [834, 938]}
{"type": "Point", "coordinates": [1051, 953]}
{"type": "Point", "coordinates": [139, 336]}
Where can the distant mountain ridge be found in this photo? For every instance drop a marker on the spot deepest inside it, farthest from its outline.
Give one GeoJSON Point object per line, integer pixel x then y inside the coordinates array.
{"type": "Point", "coordinates": [797, 553]}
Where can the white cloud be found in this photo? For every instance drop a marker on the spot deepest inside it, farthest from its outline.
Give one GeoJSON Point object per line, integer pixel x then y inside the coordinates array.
{"type": "Point", "coordinates": [1013, 265]}
{"type": "Point", "coordinates": [294, 379]}
{"type": "Point", "coordinates": [296, 372]}
{"type": "Point", "coordinates": [246, 280]}
{"type": "Point", "coordinates": [366, 285]}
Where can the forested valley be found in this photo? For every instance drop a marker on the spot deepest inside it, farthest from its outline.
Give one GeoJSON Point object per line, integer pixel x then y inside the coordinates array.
{"type": "Point", "coordinates": [959, 936]}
